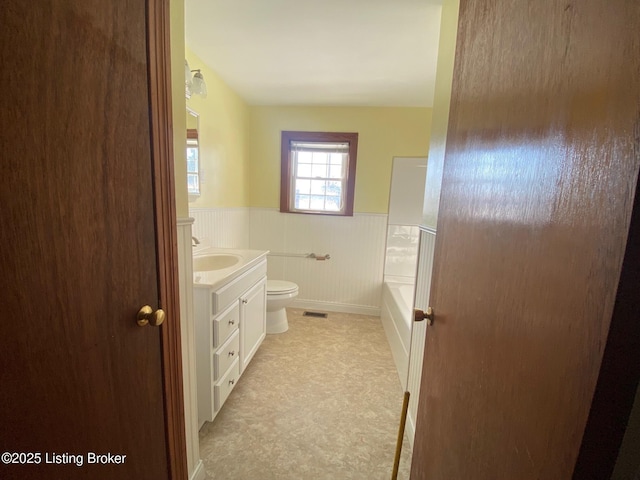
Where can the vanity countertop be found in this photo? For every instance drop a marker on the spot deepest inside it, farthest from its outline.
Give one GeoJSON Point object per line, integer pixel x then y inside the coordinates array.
{"type": "Point", "coordinates": [220, 276]}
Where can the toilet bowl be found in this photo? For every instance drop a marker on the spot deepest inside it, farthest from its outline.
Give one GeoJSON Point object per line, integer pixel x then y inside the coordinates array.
{"type": "Point", "coordinates": [280, 294]}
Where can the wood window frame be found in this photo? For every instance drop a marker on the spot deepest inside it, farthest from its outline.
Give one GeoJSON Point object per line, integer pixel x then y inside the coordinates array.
{"type": "Point", "coordinates": [285, 167]}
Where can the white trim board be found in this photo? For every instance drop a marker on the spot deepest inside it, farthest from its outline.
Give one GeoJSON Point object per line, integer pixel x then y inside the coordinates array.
{"type": "Point", "coordinates": [336, 307]}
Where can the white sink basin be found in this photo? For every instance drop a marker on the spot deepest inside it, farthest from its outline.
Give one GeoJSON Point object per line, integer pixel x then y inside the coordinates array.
{"type": "Point", "coordinates": [215, 261]}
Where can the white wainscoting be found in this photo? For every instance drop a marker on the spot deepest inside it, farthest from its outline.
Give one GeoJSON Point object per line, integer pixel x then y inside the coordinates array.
{"type": "Point", "coordinates": [187, 332]}
{"type": "Point", "coordinates": [419, 332]}
{"type": "Point", "coordinates": [350, 281]}
{"type": "Point", "coordinates": [221, 227]}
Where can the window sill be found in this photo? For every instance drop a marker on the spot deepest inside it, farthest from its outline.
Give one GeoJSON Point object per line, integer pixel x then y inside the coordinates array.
{"type": "Point", "coordinates": [314, 212]}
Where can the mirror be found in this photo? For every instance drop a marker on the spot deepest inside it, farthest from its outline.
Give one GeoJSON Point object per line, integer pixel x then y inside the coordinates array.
{"type": "Point", "coordinates": [193, 154]}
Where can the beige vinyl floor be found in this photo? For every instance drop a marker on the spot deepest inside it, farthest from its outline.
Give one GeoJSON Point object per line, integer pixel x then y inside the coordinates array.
{"type": "Point", "coordinates": [321, 401]}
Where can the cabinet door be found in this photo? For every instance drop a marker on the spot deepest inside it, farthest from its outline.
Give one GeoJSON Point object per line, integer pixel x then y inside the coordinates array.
{"type": "Point", "coordinates": [253, 321]}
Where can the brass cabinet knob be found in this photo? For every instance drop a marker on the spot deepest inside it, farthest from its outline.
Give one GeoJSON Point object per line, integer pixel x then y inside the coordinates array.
{"type": "Point", "coordinates": [419, 315]}
{"type": "Point", "coordinates": [147, 316]}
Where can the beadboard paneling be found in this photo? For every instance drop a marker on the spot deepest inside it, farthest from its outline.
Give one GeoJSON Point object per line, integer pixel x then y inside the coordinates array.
{"type": "Point", "coordinates": [350, 281]}
{"type": "Point", "coordinates": [419, 332]}
{"type": "Point", "coordinates": [221, 227]}
{"type": "Point", "coordinates": [187, 332]}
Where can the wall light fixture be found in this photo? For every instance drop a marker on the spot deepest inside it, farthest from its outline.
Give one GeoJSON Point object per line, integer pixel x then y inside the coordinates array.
{"type": "Point", "coordinates": [194, 85]}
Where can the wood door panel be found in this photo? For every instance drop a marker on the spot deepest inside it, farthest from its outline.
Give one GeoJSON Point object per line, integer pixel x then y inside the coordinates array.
{"type": "Point", "coordinates": [78, 256]}
{"type": "Point", "coordinates": [539, 181]}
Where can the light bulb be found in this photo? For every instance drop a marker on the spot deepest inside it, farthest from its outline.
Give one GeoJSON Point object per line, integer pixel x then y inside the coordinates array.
{"type": "Point", "coordinates": [199, 87]}
{"type": "Point", "coordinates": [187, 80]}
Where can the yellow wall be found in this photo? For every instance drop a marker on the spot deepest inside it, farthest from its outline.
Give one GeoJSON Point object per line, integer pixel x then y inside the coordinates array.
{"type": "Point", "coordinates": [176, 11]}
{"type": "Point", "coordinates": [441, 101]}
{"type": "Point", "coordinates": [222, 137]}
{"type": "Point", "coordinates": [384, 132]}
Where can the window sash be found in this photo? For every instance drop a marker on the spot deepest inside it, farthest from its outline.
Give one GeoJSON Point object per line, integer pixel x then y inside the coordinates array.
{"type": "Point", "coordinates": [319, 147]}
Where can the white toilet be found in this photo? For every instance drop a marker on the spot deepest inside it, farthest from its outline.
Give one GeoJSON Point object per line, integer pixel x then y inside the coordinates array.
{"type": "Point", "coordinates": [280, 293]}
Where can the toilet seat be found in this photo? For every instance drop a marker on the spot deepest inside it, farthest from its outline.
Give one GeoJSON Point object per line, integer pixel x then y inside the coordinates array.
{"type": "Point", "coordinates": [280, 287]}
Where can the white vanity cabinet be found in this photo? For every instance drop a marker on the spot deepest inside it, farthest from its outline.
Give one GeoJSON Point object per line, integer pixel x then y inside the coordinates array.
{"type": "Point", "coordinates": [253, 321]}
{"type": "Point", "coordinates": [231, 324]}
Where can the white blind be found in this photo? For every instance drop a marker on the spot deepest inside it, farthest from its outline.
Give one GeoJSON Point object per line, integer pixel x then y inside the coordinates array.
{"type": "Point", "coordinates": [324, 147]}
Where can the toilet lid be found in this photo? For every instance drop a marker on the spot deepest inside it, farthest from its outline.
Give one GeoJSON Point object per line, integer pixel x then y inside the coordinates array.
{"type": "Point", "coordinates": [281, 286]}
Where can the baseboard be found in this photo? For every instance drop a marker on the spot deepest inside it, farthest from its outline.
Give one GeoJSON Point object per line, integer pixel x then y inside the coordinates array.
{"type": "Point", "coordinates": [336, 307]}
{"type": "Point", "coordinates": [410, 431]}
{"type": "Point", "coordinates": [199, 473]}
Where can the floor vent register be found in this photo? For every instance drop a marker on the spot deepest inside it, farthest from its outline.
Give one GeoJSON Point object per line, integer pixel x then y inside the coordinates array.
{"type": "Point", "coordinates": [315, 314]}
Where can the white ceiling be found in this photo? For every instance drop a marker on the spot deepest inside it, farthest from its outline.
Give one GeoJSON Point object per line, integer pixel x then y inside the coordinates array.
{"type": "Point", "coordinates": [320, 52]}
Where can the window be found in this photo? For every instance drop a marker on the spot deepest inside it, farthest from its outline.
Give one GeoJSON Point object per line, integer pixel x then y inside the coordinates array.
{"type": "Point", "coordinates": [193, 172]}
{"type": "Point", "coordinates": [318, 172]}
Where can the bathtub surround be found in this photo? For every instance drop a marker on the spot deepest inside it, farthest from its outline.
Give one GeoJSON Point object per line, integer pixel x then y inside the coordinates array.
{"type": "Point", "coordinates": [327, 412]}
{"type": "Point", "coordinates": [401, 260]}
{"type": "Point", "coordinates": [401, 253]}
{"type": "Point", "coordinates": [405, 214]}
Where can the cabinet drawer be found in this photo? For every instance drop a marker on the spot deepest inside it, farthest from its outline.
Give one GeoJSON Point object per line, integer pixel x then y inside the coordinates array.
{"type": "Point", "coordinates": [230, 292]}
{"type": "Point", "coordinates": [225, 324]}
{"type": "Point", "coordinates": [225, 355]}
{"type": "Point", "coordinates": [222, 389]}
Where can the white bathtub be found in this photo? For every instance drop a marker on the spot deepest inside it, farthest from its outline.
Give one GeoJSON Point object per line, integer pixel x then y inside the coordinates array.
{"type": "Point", "coordinates": [397, 306]}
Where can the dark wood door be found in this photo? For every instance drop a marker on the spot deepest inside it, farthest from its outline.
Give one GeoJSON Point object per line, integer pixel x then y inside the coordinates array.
{"type": "Point", "coordinates": [78, 243]}
{"type": "Point", "coordinates": [539, 182]}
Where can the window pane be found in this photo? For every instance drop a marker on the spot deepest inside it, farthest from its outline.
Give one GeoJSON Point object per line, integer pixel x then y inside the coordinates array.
{"type": "Point", "coordinates": [320, 158]}
{"type": "Point", "coordinates": [303, 186]}
{"type": "Point", "coordinates": [319, 171]}
{"type": "Point", "coordinates": [332, 204]}
{"type": "Point", "coordinates": [303, 157]}
{"type": "Point", "coordinates": [317, 202]}
{"type": "Point", "coordinates": [302, 202]}
{"type": "Point", "coordinates": [192, 160]}
{"type": "Point", "coordinates": [337, 158]}
{"type": "Point", "coordinates": [334, 188]}
{"type": "Point", "coordinates": [304, 170]}
{"type": "Point", "coordinates": [335, 171]}
{"type": "Point", "coordinates": [318, 187]}
{"type": "Point", "coordinates": [192, 183]}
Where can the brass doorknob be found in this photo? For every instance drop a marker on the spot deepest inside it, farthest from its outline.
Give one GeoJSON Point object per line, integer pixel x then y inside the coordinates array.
{"type": "Point", "coordinates": [419, 315]}
{"type": "Point", "coordinates": [147, 316]}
